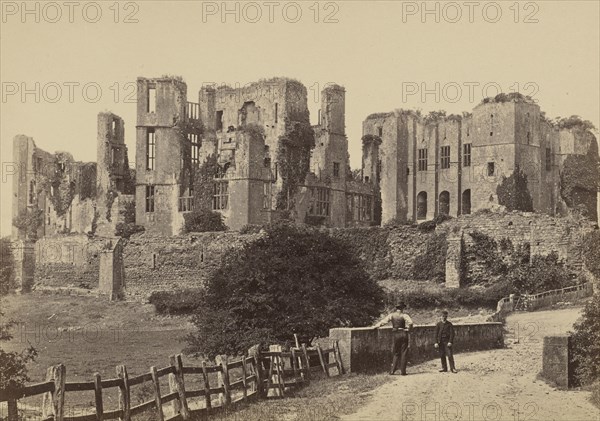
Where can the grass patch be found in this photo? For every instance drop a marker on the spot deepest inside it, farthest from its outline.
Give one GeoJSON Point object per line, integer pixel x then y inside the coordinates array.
{"type": "Point", "coordinates": [323, 399]}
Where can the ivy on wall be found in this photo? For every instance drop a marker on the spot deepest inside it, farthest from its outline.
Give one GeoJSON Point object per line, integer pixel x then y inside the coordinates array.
{"type": "Point", "coordinates": [432, 264]}
{"type": "Point", "coordinates": [29, 222]}
{"type": "Point", "coordinates": [293, 156]}
{"type": "Point", "coordinates": [579, 183]}
{"type": "Point", "coordinates": [204, 177]}
{"type": "Point", "coordinates": [514, 193]}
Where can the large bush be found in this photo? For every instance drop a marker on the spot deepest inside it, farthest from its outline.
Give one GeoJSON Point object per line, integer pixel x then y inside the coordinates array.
{"type": "Point", "coordinates": [293, 280]}
{"type": "Point", "coordinates": [203, 220]}
{"type": "Point", "coordinates": [586, 341]}
{"type": "Point", "coordinates": [7, 267]}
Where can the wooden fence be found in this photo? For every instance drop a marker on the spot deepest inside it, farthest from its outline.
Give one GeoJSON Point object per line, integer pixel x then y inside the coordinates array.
{"type": "Point", "coordinates": [260, 375]}
{"type": "Point", "coordinates": [546, 298]}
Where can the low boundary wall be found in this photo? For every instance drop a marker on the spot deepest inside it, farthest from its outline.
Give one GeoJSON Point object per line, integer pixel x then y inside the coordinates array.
{"type": "Point", "coordinates": [367, 349]}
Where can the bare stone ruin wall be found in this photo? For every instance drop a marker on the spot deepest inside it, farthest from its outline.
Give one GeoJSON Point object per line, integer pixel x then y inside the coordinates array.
{"type": "Point", "coordinates": [71, 260]}
{"type": "Point", "coordinates": [155, 263]}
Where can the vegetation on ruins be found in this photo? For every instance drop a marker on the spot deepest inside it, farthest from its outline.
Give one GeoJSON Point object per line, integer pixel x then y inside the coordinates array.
{"type": "Point", "coordinates": [579, 182]}
{"type": "Point", "coordinates": [435, 116]}
{"type": "Point", "coordinates": [127, 228]}
{"type": "Point", "coordinates": [586, 347]}
{"type": "Point", "coordinates": [432, 264]}
{"type": "Point", "coordinates": [574, 123]}
{"type": "Point", "coordinates": [293, 280]}
{"type": "Point", "coordinates": [29, 222]}
{"type": "Point", "coordinates": [503, 262]}
{"type": "Point", "coordinates": [591, 252]}
{"type": "Point", "coordinates": [510, 97]}
{"type": "Point", "coordinates": [87, 181]}
{"type": "Point", "coordinates": [293, 157]}
{"type": "Point", "coordinates": [60, 185]}
{"type": "Point", "coordinates": [203, 220]}
{"type": "Point", "coordinates": [370, 139]}
{"type": "Point", "coordinates": [7, 267]}
{"type": "Point", "coordinates": [514, 193]}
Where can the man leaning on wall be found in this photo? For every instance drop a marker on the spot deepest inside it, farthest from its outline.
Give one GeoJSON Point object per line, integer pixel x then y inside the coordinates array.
{"type": "Point", "coordinates": [401, 326]}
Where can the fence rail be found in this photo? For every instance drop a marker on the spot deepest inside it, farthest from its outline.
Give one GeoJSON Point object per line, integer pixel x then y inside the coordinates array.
{"type": "Point", "coordinates": [256, 376]}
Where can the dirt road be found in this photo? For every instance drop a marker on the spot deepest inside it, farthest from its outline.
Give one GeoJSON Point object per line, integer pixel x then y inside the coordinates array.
{"type": "Point", "coordinates": [492, 385]}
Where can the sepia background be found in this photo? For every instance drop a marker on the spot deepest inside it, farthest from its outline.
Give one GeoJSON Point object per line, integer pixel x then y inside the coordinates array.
{"type": "Point", "coordinates": [376, 49]}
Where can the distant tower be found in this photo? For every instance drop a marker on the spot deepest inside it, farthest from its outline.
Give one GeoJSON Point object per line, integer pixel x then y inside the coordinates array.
{"type": "Point", "coordinates": [162, 111]}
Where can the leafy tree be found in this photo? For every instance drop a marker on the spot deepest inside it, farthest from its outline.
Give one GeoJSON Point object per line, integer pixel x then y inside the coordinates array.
{"type": "Point", "coordinates": [293, 280]}
{"type": "Point", "coordinates": [586, 341]}
{"type": "Point", "coordinates": [514, 193]}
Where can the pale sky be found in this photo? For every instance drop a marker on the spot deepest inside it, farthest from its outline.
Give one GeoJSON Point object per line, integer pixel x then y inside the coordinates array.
{"type": "Point", "coordinates": [374, 49]}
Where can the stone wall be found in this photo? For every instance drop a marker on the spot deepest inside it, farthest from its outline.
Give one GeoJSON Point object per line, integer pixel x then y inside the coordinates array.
{"type": "Point", "coordinates": [369, 350]}
{"type": "Point", "coordinates": [154, 263]}
{"type": "Point", "coordinates": [70, 260]}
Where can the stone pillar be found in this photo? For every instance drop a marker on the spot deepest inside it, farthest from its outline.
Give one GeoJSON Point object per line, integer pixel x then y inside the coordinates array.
{"type": "Point", "coordinates": [453, 260]}
{"type": "Point", "coordinates": [24, 257]}
{"type": "Point", "coordinates": [556, 365]}
{"type": "Point", "coordinates": [112, 271]}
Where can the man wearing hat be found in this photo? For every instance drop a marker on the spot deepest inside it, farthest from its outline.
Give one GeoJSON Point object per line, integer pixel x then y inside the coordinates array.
{"type": "Point", "coordinates": [401, 326]}
{"type": "Point", "coordinates": [444, 337]}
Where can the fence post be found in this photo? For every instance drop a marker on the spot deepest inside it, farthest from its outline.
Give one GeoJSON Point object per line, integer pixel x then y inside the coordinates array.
{"type": "Point", "coordinates": [338, 357]}
{"type": "Point", "coordinates": [124, 393]}
{"type": "Point", "coordinates": [244, 380]}
{"type": "Point", "coordinates": [13, 412]}
{"type": "Point", "coordinates": [294, 364]}
{"type": "Point", "coordinates": [176, 384]}
{"type": "Point", "coordinates": [156, 384]}
{"type": "Point", "coordinates": [325, 369]}
{"type": "Point", "coordinates": [276, 371]}
{"type": "Point", "coordinates": [206, 387]}
{"type": "Point", "coordinates": [254, 352]}
{"type": "Point", "coordinates": [47, 398]}
{"type": "Point", "coordinates": [98, 397]}
{"type": "Point", "coordinates": [306, 361]}
{"type": "Point", "coordinates": [223, 376]}
{"type": "Point", "coordinates": [58, 397]}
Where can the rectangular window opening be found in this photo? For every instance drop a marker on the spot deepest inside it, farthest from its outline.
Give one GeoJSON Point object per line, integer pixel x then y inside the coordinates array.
{"type": "Point", "coordinates": [336, 169]}
{"type": "Point", "coordinates": [219, 120]}
{"type": "Point", "coordinates": [150, 192]}
{"type": "Point", "coordinates": [445, 157]}
{"type": "Point", "coordinates": [467, 155]}
{"type": "Point", "coordinates": [221, 195]}
{"type": "Point", "coordinates": [422, 159]}
{"type": "Point", "coordinates": [151, 105]}
{"type": "Point", "coordinates": [150, 149]}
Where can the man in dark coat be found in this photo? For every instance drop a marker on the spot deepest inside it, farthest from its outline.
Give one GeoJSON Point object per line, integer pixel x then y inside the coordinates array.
{"type": "Point", "coordinates": [444, 337]}
{"type": "Point", "coordinates": [401, 326]}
